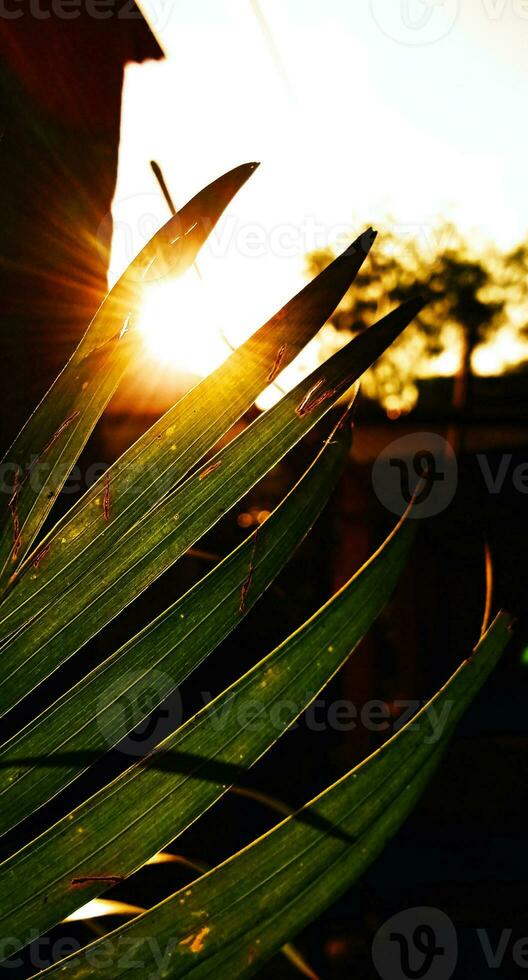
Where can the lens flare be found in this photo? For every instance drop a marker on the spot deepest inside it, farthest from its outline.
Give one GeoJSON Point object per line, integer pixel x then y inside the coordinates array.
{"type": "Point", "coordinates": [180, 326]}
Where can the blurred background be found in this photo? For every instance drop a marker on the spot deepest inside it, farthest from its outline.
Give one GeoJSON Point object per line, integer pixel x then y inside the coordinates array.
{"type": "Point", "coordinates": [408, 116]}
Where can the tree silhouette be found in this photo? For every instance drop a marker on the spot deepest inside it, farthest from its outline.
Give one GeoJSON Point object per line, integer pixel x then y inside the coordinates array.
{"type": "Point", "coordinates": [470, 296]}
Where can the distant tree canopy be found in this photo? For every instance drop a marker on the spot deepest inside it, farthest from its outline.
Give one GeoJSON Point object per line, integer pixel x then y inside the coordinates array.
{"type": "Point", "coordinates": [473, 297]}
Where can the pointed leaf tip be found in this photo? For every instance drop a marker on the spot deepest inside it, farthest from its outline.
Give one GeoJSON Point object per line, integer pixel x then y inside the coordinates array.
{"type": "Point", "coordinates": [247, 168]}
{"type": "Point", "coordinates": [418, 302]}
{"type": "Point", "coordinates": [363, 244]}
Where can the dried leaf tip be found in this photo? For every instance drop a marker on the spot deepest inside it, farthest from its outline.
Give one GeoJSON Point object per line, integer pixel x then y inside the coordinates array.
{"type": "Point", "coordinates": [417, 303]}
{"type": "Point", "coordinates": [369, 236]}
{"type": "Point", "coordinates": [363, 243]}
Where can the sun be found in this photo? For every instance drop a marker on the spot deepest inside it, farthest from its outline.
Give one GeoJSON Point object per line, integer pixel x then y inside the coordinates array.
{"type": "Point", "coordinates": [180, 327]}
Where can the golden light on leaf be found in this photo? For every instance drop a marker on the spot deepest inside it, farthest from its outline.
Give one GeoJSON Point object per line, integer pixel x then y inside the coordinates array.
{"type": "Point", "coordinates": [102, 906]}
{"type": "Point", "coordinates": [182, 324]}
{"type": "Point", "coordinates": [181, 328]}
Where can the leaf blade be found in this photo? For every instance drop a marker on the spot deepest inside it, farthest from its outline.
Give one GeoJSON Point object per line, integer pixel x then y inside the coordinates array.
{"type": "Point", "coordinates": [83, 606]}
{"type": "Point", "coordinates": [245, 909]}
{"type": "Point", "coordinates": [117, 830]}
{"type": "Point", "coordinates": [44, 452]}
{"type": "Point", "coordinates": [87, 720]}
{"type": "Point", "coordinates": [171, 447]}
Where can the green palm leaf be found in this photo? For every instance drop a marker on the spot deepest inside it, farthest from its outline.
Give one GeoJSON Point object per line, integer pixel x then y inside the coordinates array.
{"type": "Point", "coordinates": [43, 454]}
{"type": "Point", "coordinates": [150, 507]}
{"type": "Point", "coordinates": [76, 606]}
{"type": "Point", "coordinates": [88, 720]}
{"type": "Point", "coordinates": [123, 825]}
{"type": "Point", "coordinates": [235, 917]}
{"type": "Point", "coordinates": [176, 443]}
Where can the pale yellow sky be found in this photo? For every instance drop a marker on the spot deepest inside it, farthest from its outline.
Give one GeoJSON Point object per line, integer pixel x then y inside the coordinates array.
{"type": "Point", "coordinates": [405, 108]}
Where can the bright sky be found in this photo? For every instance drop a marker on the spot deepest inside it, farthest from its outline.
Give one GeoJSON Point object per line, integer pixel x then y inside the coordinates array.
{"type": "Point", "coordinates": [407, 108]}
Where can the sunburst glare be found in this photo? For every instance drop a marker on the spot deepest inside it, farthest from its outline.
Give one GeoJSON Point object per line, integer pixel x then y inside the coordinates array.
{"type": "Point", "coordinates": [180, 327]}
